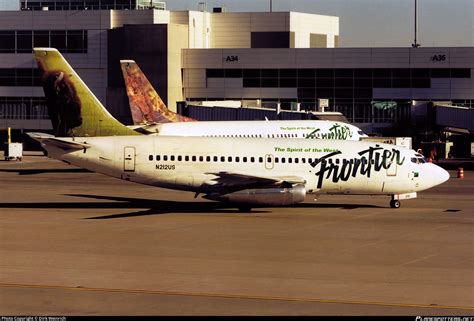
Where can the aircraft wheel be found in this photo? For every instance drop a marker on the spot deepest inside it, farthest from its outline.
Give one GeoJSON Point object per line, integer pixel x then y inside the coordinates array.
{"type": "Point", "coordinates": [394, 203]}
{"type": "Point", "coordinates": [245, 209]}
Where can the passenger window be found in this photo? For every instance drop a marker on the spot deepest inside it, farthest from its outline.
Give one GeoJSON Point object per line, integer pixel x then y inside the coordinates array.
{"type": "Point", "coordinates": [222, 159]}
{"type": "Point", "coordinates": [290, 160]}
{"type": "Point", "coordinates": [260, 159]}
{"type": "Point", "coordinates": [229, 159]}
{"type": "Point", "coordinates": [296, 160]}
{"type": "Point", "coordinates": [165, 158]}
{"type": "Point", "coordinates": [303, 160]}
{"type": "Point", "coordinates": [337, 160]}
{"type": "Point", "coordinates": [186, 158]}
{"type": "Point", "coordinates": [237, 159]}
{"type": "Point", "coordinates": [201, 158]}
{"type": "Point", "coordinates": [193, 158]}
{"type": "Point", "coordinates": [244, 159]}
{"type": "Point", "coordinates": [180, 158]}
{"type": "Point", "coordinates": [310, 160]}
{"type": "Point", "coordinates": [172, 158]}
{"type": "Point", "coordinates": [269, 159]}
{"type": "Point", "coordinates": [283, 160]}
{"type": "Point", "coordinates": [276, 159]}
{"type": "Point", "coordinates": [158, 157]}
{"type": "Point", "coordinates": [208, 158]}
{"type": "Point", "coordinates": [150, 157]}
{"type": "Point", "coordinates": [252, 159]}
{"type": "Point", "coordinates": [215, 158]}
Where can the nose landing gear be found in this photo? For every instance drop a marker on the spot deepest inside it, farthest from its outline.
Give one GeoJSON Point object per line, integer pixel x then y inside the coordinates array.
{"type": "Point", "coordinates": [395, 204]}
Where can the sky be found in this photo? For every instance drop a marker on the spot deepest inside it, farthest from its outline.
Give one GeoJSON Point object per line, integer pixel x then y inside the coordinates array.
{"type": "Point", "coordinates": [366, 23]}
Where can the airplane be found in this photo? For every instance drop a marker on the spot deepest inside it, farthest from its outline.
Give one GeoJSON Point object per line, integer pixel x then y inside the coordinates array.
{"type": "Point", "coordinates": [242, 171]}
{"type": "Point", "coordinates": [151, 116]}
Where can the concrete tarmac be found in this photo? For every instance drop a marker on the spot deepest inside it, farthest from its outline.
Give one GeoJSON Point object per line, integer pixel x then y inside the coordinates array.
{"type": "Point", "coordinates": [79, 243]}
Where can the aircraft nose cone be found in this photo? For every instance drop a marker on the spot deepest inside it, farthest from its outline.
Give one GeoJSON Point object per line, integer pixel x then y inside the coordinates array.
{"type": "Point", "coordinates": [444, 175]}
{"type": "Point", "coordinates": [441, 175]}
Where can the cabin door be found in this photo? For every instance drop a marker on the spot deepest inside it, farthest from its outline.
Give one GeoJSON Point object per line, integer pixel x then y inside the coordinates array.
{"type": "Point", "coordinates": [392, 169]}
{"type": "Point", "coordinates": [269, 159]}
{"type": "Point", "coordinates": [129, 159]}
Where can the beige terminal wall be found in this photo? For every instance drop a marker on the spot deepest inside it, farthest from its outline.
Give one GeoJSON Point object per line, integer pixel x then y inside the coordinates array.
{"type": "Point", "coordinates": [177, 40]}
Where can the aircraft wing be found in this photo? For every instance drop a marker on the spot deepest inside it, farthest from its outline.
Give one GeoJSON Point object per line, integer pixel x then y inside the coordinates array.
{"type": "Point", "coordinates": [229, 182]}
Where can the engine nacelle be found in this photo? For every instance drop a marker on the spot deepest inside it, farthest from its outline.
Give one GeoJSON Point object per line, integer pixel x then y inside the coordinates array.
{"type": "Point", "coordinates": [264, 196]}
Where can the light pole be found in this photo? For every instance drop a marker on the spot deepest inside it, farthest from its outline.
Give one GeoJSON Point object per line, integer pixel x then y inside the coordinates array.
{"type": "Point", "coordinates": [416, 44]}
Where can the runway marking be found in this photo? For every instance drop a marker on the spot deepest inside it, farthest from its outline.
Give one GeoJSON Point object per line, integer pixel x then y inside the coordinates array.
{"type": "Point", "coordinates": [231, 296]}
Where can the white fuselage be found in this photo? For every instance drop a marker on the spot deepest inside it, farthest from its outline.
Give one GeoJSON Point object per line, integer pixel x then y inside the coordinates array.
{"type": "Point", "coordinates": [308, 129]}
{"type": "Point", "coordinates": [190, 163]}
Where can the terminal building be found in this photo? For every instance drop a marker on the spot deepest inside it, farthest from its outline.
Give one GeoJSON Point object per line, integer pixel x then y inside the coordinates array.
{"type": "Point", "coordinates": [281, 60]}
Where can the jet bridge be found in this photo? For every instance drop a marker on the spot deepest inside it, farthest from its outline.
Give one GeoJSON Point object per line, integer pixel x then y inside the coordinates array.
{"type": "Point", "coordinates": [455, 118]}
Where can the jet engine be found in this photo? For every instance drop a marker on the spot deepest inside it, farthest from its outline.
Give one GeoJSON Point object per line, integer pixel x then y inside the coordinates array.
{"type": "Point", "coordinates": [264, 196]}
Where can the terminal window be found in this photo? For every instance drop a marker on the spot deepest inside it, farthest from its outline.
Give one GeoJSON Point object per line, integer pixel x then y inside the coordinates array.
{"type": "Point", "coordinates": [23, 41]}
{"type": "Point", "coordinates": [270, 39]}
{"type": "Point", "coordinates": [339, 78]}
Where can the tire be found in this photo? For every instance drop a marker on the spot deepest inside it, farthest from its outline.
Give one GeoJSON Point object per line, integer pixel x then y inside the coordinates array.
{"type": "Point", "coordinates": [395, 204]}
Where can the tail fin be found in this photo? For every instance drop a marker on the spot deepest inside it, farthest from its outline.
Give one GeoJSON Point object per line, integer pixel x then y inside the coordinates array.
{"type": "Point", "coordinates": [145, 103]}
{"type": "Point", "coordinates": [73, 108]}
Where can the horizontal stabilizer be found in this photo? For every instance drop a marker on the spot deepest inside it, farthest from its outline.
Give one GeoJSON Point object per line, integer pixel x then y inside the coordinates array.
{"type": "Point", "coordinates": [50, 140]}
{"type": "Point", "coordinates": [67, 145]}
{"type": "Point", "coordinates": [40, 136]}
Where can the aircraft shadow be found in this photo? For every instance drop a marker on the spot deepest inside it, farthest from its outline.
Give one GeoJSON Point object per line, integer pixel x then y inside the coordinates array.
{"type": "Point", "coordinates": [147, 207]}
{"type": "Point", "coordinates": [44, 171]}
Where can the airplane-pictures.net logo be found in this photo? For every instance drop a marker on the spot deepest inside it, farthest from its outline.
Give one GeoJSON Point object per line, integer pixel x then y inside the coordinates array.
{"type": "Point", "coordinates": [419, 318]}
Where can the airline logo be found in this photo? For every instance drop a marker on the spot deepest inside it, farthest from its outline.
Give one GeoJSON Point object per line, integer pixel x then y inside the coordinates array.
{"type": "Point", "coordinates": [372, 159]}
{"type": "Point", "coordinates": [335, 132]}
{"type": "Point", "coordinates": [146, 105]}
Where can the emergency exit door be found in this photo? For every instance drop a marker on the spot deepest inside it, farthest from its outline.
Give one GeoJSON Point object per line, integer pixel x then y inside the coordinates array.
{"type": "Point", "coordinates": [129, 159]}
{"type": "Point", "coordinates": [392, 169]}
{"type": "Point", "coordinates": [269, 159]}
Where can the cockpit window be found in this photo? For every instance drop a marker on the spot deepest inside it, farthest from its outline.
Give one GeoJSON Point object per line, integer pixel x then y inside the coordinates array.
{"type": "Point", "coordinates": [361, 132]}
{"type": "Point", "coordinates": [418, 160]}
